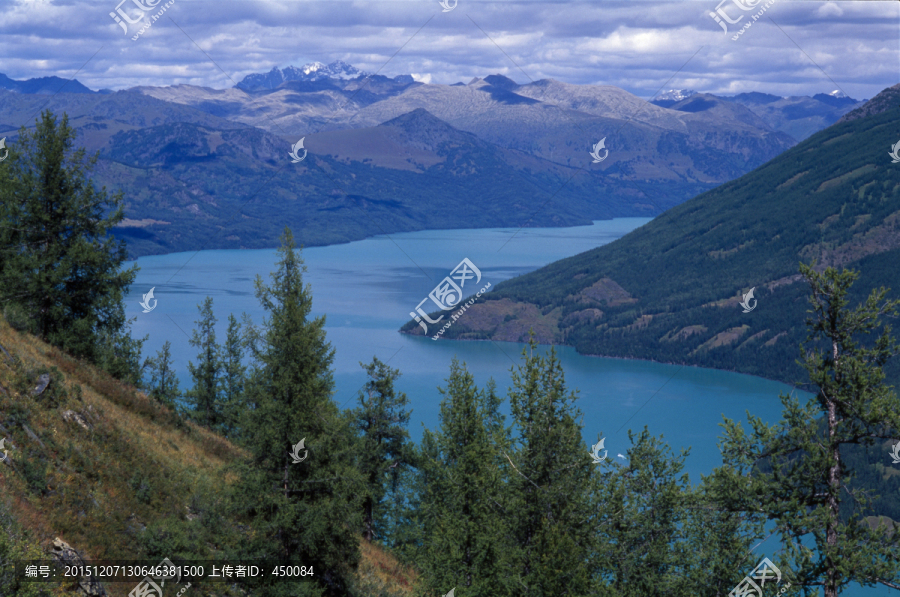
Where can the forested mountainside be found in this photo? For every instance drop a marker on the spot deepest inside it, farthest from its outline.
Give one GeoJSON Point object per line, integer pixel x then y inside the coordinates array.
{"type": "Point", "coordinates": [671, 290]}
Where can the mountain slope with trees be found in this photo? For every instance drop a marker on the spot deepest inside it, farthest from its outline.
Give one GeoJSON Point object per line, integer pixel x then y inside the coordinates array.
{"type": "Point", "coordinates": [671, 290]}
{"type": "Point", "coordinates": [482, 507]}
{"type": "Point", "coordinates": [207, 168]}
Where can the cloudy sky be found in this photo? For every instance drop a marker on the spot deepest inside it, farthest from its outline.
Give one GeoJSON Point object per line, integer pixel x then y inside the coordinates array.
{"type": "Point", "coordinates": [794, 48]}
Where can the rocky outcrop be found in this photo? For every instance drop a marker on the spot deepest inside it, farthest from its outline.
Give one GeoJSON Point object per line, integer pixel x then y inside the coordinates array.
{"type": "Point", "coordinates": [65, 554]}
{"type": "Point", "coordinates": [43, 382]}
{"type": "Point", "coordinates": [73, 417]}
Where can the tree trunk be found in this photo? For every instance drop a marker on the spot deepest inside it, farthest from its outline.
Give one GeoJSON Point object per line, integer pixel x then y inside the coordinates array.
{"type": "Point", "coordinates": [834, 482]}
{"type": "Point", "coordinates": [368, 531]}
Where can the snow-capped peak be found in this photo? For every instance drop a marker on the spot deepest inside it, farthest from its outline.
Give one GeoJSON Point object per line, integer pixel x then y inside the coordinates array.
{"type": "Point", "coordinates": [312, 71]}
{"type": "Point", "coordinates": [837, 93]}
{"type": "Point", "coordinates": [336, 70]}
{"type": "Point", "coordinates": [312, 67]}
{"type": "Point", "coordinates": [675, 94]}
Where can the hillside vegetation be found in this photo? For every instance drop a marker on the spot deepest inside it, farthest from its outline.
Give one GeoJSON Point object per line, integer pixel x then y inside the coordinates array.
{"type": "Point", "coordinates": [99, 467]}
{"type": "Point", "coordinates": [115, 475]}
{"type": "Point", "coordinates": [670, 290]}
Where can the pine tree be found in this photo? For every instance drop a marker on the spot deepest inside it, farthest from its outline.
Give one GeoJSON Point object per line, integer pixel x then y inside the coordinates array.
{"type": "Point", "coordinates": [718, 544]}
{"type": "Point", "coordinates": [306, 512]}
{"type": "Point", "coordinates": [382, 419]}
{"type": "Point", "coordinates": [234, 375]}
{"type": "Point", "coordinates": [203, 399]}
{"type": "Point", "coordinates": [163, 382]}
{"type": "Point", "coordinates": [58, 263]}
{"type": "Point", "coordinates": [794, 473]}
{"type": "Point", "coordinates": [463, 541]}
{"type": "Point", "coordinates": [551, 482]}
{"type": "Point", "coordinates": [642, 508]}
{"type": "Point", "coordinates": [658, 536]}
{"type": "Point", "coordinates": [117, 353]}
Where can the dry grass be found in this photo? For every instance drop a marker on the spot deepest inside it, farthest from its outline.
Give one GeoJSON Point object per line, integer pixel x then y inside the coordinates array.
{"type": "Point", "coordinates": [80, 484]}
{"type": "Point", "coordinates": [381, 574]}
{"type": "Point", "coordinates": [137, 465]}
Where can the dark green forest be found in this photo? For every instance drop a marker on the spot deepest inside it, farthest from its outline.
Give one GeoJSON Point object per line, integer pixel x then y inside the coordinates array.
{"type": "Point", "coordinates": [833, 199]}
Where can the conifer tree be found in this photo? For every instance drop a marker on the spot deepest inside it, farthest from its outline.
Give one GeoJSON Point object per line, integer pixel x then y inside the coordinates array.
{"type": "Point", "coordinates": [233, 378]}
{"type": "Point", "coordinates": [552, 508]}
{"type": "Point", "coordinates": [306, 510]}
{"type": "Point", "coordinates": [203, 399]}
{"type": "Point", "coordinates": [382, 419]}
{"type": "Point", "coordinates": [718, 543]}
{"type": "Point", "coordinates": [643, 507]}
{"type": "Point", "coordinates": [464, 539]}
{"type": "Point", "coordinates": [117, 353]}
{"type": "Point", "coordinates": [163, 382]}
{"type": "Point", "coordinates": [402, 530]}
{"type": "Point", "coordinates": [58, 262]}
{"type": "Point", "coordinates": [795, 473]}
{"type": "Point", "coordinates": [657, 536]}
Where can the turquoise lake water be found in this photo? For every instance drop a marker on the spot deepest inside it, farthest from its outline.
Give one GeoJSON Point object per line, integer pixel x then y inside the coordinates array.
{"type": "Point", "coordinates": [368, 288]}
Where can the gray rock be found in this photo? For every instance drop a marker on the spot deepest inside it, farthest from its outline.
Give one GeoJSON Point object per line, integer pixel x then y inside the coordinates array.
{"type": "Point", "coordinates": [73, 417]}
{"type": "Point", "coordinates": [4, 453]}
{"type": "Point", "coordinates": [43, 382]}
{"type": "Point", "coordinates": [63, 553]}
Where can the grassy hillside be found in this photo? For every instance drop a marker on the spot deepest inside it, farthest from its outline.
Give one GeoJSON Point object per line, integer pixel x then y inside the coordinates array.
{"type": "Point", "coordinates": [670, 290]}
{"type": "Point", "coordinates": [117, 476]}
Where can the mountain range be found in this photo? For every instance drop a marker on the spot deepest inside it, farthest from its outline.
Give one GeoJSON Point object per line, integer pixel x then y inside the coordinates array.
{"type": "Point", "coordinates": [798, 116]}
{"type": "Point", "coordinates": [671, 290]}
{"type": "Point", "coordinates": [209, 168]}
{"type": "Point", "coordinates": [45, 86]}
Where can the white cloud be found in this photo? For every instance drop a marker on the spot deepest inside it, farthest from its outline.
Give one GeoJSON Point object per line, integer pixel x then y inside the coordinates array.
{"type": "Point", "coordinates": [639, 46]}
{"type": "Point", "coordinates": [828, 10]}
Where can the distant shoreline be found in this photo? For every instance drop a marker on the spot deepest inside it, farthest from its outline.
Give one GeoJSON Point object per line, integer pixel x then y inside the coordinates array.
{"type": "Point", "coordinates": [305, 246]}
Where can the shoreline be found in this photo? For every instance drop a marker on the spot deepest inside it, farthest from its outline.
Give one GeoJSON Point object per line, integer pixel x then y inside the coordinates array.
{"type": "Point", "coordinates": [603, 356]}
{"type": "Point", "coordinates": [514, 230]}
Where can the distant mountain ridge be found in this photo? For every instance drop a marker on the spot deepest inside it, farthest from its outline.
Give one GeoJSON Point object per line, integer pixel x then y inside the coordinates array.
{"type": "Point", "coordinates": [552, 120]}
{"type": "Point", "coordinates": [184, 184]}
{"type": "Point", "coordinates": [670, 290]}
{"type": "Point", "coordinates": [798, 116]}
{"type": "Point", "coordinates": [187, 157]}
{"type": "Point", "coordinates": [45, 86]}
{"type": "Point", "coordinates": [672, 96]}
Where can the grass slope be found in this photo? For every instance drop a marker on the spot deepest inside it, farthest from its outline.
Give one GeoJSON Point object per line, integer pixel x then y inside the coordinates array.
{"type": "Point", "coordinates": [124, 479]}
{"type": "Point", "coordinates": [670, 290]}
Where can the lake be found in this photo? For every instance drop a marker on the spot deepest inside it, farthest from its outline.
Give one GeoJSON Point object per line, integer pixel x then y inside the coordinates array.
{"type": "Point", "coordinates": [368, 288]}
